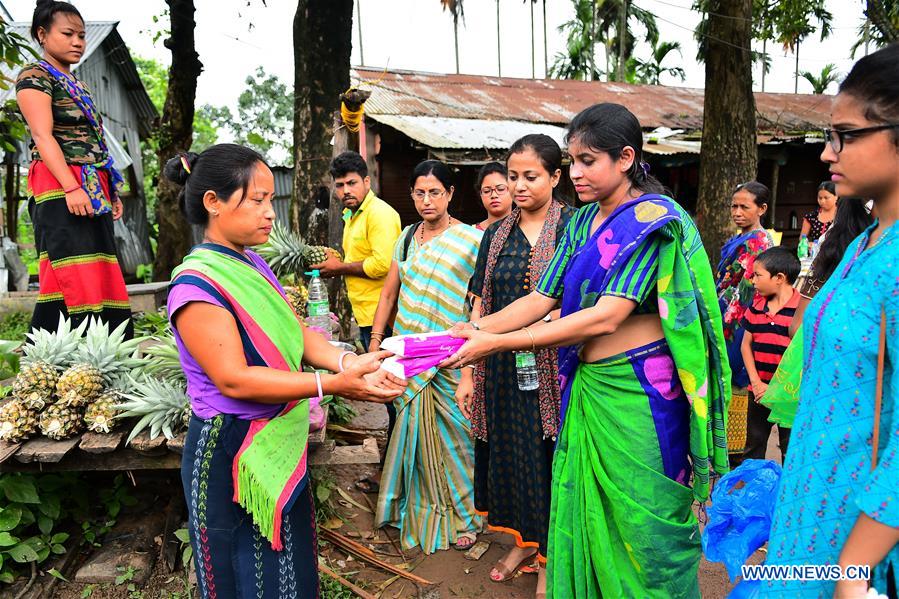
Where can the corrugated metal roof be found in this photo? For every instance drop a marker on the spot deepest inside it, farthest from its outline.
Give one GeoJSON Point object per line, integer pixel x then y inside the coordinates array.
{"type": "Point", "coordinates": [99, 34]}
{"type": "Point", "coordinates": [456, 133]}
{"type": "Point", "coordinates": [556, 101]}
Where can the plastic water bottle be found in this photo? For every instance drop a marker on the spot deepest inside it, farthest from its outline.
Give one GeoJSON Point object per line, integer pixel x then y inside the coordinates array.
{"type": "Point", "coordinates": [802, 250]}
{"type": "Point", "coordinates": [317, 308]}
{"type": "Point", "coordinates": [526, 368]}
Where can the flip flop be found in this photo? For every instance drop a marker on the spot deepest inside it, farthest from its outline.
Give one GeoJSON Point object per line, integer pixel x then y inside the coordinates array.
{"type": "Point", "coordinates": [368, 485]}
{"type": "Point", "coordinates": [469, 539]}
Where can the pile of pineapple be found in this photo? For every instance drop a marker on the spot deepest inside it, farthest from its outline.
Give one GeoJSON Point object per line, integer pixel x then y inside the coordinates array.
{"type": "Point", "coordinates": [87, 377]}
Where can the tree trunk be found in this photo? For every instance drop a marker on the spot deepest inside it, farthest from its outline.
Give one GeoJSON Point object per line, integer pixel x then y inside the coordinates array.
{"type": "Point", "coordinates": [729, 152]}
{"type": "Point", "coordinates": [622, 38]}
{"type": "Point", "coordinates": [533, 43]}
{"type": "Point", "coordinates": [877, 13]}
{"type": "Point", "coordinates": [176, 135]}
{"type": "Point", "coordinates": [322, 42]}
{"type": "Point", "coordinates": [796, 73]}
{"type": "Point", "coordinates": [499, 54]}
{"type": "Point", "coordinates": [456, 40]}
{"type": "Point", "coordinates": [545, 45]}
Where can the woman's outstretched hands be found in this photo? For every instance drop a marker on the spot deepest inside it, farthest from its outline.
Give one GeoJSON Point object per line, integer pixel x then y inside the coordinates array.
{"type": "Point", "coordinates": [365, 380]}
{"type": "Point", "coordinates": [478, 346]}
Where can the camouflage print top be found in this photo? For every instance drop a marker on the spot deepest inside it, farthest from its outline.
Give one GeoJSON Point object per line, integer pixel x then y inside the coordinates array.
{"type": "Point", "coordinates": [71, 129]}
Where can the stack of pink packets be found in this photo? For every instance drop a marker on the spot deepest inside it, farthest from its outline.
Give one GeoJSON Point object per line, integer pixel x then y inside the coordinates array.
{"type": "Point", "coordinates": [415, 354]}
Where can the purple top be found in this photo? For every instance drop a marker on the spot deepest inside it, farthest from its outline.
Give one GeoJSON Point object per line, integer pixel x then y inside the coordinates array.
{"type": "Point", "coordinates": [205, 398]}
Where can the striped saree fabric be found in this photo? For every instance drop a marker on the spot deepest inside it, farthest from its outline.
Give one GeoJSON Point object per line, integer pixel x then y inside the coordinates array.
{"type": "Point", "coordinates": [427, 488]}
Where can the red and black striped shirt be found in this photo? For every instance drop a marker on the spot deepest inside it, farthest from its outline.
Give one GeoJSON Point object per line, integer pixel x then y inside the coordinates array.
{"type": "Point", "coordinates": [770, 333]}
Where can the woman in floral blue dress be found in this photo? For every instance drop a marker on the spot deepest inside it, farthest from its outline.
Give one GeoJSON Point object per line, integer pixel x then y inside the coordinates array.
{"type": "Point", "coordinates": [832, 507]}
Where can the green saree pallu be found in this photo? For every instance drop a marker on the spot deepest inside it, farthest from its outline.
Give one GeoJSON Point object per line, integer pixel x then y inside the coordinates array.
{"type": "Point", "coordinates": [611, 445]}
{"type": "Point", "coordinates": [782, 396]}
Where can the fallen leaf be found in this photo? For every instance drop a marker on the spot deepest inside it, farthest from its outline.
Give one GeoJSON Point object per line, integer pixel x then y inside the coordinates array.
{"type": "Point", "coordinates": [333, 523]}
{"type": "Point", "coordinates": [354, 534]}
{"type": "Point", "coordinates": [346, 496]}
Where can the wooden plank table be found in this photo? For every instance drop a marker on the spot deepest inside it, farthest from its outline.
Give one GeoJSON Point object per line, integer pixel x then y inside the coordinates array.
{"type": "Point", "coordinates": [106, 452]}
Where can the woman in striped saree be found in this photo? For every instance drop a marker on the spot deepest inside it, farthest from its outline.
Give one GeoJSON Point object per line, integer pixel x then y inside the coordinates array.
{"type": "Point", "coordinates": [643, 371]}
{"type": "Point", "coordinates": [427, 487]}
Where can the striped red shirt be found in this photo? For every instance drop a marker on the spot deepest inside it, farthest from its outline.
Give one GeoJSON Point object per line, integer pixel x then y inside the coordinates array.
{"type": "Point", "coordinates": [770, 333]}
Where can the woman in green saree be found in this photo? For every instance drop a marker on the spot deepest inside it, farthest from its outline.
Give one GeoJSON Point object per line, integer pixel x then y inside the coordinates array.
{"type": "Point", "coordinates": [643, 372]}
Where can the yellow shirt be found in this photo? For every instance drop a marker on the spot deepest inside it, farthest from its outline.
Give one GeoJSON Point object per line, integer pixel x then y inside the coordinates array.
{"type": "Point", "coordinates": [369, 235]}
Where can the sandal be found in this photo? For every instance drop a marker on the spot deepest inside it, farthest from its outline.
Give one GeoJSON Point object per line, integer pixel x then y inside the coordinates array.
{"type": "Point", "coordinates": [507, 573]}
{"type": "Point", "coordinates": [465, 541]}
{"type": "Point", "coordinates": [368, 485]}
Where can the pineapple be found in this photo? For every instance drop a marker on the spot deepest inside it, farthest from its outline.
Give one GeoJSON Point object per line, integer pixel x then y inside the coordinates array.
{"type": "Point", "coordinates": [99, 361]}
{"type": "Point", "coordinates": [79, 385]}
{"type": "Point", "coordinates": [61, 421]}
{"type": "Point", "coordinates": [297, 297]}
{"type": "Point", "coordinates": [287, 254]}
{"type": "Point", "coordinates": [284, 251]}
{"type": "Point", "coordinates": [45, 355]}
{"type": "Point", "coordinates": [17, 422]}
{"type": "Point", "coordinates": [99, 416]}
{"type": "Point", "coordinates": [163, 359]}
{"type": "Point", "coordinates": [162, 405]}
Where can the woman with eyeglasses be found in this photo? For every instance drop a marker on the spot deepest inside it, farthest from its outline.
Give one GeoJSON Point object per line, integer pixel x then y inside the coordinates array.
{"type": "Point", "coordinates": [427, 486]}
{"type": "Point", "coordinates": [515, 430]}
{"type": "Point", "coordinates": [838, 501]}
{"type": "Point", "coordinates": [493, 187]}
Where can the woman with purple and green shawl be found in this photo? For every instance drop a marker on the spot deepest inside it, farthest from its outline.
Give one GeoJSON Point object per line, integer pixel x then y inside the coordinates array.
{"type": "Point", "coordinates": [242, 348]}
{"type": "Point", "coordinates": [642, 367]}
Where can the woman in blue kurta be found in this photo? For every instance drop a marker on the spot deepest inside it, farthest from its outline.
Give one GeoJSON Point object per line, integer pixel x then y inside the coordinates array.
{"type": "Point", "coordinates": [832, 508]}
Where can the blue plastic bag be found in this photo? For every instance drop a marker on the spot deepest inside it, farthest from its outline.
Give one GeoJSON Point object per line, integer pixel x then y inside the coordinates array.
{"type": "Point", "coordinates": [740, 515]}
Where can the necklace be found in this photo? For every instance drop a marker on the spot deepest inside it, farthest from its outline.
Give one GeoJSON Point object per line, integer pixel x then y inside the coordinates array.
{"type": "Point", "coordinates": [421, 231]}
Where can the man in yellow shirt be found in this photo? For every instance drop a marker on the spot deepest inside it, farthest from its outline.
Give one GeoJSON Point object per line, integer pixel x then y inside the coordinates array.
{"type": "Point", "coordinates": [370, 231]}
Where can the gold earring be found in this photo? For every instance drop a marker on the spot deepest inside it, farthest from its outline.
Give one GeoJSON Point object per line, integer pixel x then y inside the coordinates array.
{"type": "Point", "coordinates": [215, 213]}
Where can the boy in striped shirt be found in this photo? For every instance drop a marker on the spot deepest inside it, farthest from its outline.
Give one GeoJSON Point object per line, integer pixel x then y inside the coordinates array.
{"type": "Point", "coordinates": [767, 326]}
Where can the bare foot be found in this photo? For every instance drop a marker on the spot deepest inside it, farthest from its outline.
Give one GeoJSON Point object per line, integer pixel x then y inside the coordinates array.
{"type": "Point", "coordinates": [507, 566]}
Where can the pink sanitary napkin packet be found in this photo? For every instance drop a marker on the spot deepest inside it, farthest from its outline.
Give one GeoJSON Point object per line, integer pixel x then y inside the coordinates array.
{"type": "Point", "coordinates": [418, 353]}
{"type": "Point", "coordinates": [316, 414]}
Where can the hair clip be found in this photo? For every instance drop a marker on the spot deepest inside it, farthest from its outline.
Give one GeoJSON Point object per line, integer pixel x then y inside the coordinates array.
{"type": "Point", "coordinates": [185, 164]}
{"type": "Point", "coordinates": [644, 166]}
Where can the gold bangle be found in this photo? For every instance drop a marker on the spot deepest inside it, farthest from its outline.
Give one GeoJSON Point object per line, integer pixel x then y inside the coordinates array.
{"type": "Point", "coordinates": [533, 342]}
{"type": "Point", "coordinates": [376, 334]}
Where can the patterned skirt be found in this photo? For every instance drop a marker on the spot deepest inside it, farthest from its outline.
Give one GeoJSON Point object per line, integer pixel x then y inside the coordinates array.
{"type": "Point", "coordinates": [513, 468]}
{"type": "Point", "coordinates": [231, 557]}
{"type": "Point", "coordinates": [79, 272]}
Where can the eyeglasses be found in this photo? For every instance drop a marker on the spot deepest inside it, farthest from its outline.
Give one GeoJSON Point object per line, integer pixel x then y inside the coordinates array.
{"type": "Point", "coordinates": [499, 189]}
{"type": "Point", "coordinates": [837, 137]}
{"type": "Point", "coordinates": [434, 194]}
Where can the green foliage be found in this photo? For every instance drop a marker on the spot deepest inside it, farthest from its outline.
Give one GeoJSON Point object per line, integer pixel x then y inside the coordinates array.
{"type": "Point", "coordinates": [9, 359]}
{"type": "Point", "coordinates": [331, 589]}
{"type": "Point", "coordinates": [787, 22]}
{"type": "Point", "coordinates": [151, 324]}
{"type": "Point", "coordinates": [596, 24]}
{"type": "Point", "coordinates": [144, 272]}
{"type": "Point", "coordinates": [650, 71]}
{"type": "Point", "coordinates": [822, 81]}
{"type": "Point", "coordinates": [264, 115]}
{"type": "Point", "coordinates": [187, 552]}
{"type": "Point", "coordinates": [323, 485]}
{"type": "Point", "coordinates": [14, 53]}
{"type": "Point", "coordinates": [14, 325]}
{"type": "Point", "coordinates": [31, 512]}
{"type": "Point", "coordinates": [339, 411]}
